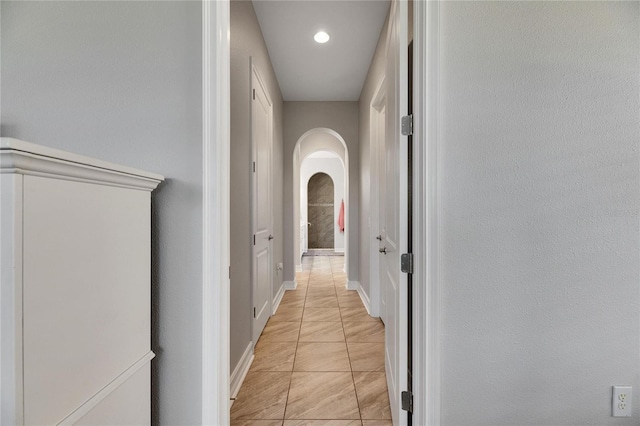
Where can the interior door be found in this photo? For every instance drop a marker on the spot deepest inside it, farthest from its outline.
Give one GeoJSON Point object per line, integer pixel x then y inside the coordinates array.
{"type": "Point", "coordinates": [382, 182]}
{"type": "Point", "coordinates": [395, 238]}
{"type": "Point", "coordinates": [261, 133]}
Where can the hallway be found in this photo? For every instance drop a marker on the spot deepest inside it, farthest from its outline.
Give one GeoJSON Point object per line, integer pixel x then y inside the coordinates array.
{"type": "Point", "coordinates": [320, 358]}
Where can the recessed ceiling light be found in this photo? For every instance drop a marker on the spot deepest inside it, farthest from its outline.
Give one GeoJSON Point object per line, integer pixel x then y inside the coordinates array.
{"type": "Point", "coordinates": [321, 37]}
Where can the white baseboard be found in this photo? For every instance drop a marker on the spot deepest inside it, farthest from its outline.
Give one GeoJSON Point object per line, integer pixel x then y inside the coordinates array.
{"type": "Point", "coordinates": [290, 285]}
{"type": "Point", "coordinates": [338, 250]}
{"type": "Point", "coordinates": [277, 299]}
{"type": "Point", "coordinates": [299, 268]}
{"type": "Point", "coordinates": [241, 370]}
{"type": "Point", "coordinates": [352, 285]}
{"type": "Point", "coordinates": [365, 299]}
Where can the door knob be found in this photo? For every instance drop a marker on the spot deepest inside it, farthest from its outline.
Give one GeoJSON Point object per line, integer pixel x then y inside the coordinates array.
{"type": "Point", "coordinates": [383, 250]}
{"type": "Point", "coordinates": [379, 238]}
{"type": "Point", "coordinates": [271, 237]}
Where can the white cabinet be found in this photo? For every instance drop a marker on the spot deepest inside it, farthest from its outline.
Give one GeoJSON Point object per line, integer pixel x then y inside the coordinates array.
{"type": "Point", "coordinates": [75, 250]}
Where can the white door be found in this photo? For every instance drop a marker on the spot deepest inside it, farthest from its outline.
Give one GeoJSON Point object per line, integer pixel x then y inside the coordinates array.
{"type": "Point", "coordinates": [382, 182]}
{"type": "Point", "coordinates": [395, 238]}
{"type": "Point", "coordinates": [261, 133]}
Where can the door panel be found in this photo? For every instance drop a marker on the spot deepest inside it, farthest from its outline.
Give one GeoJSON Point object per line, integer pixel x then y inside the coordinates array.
{"type": "Point", "coordinates": [261, 131]}
{"type": "Point", "coordinates": [395, 209]}
{"type": "Point", "coordinates": [382, 182]}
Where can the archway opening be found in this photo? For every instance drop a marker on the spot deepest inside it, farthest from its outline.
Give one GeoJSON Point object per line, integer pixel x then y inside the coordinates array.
{"type": "Point", "coordinates": [313, 146]}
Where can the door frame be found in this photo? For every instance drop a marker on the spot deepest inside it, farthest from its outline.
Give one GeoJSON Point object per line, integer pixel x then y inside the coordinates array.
{"type": "Point", "coordinates": [427, 313]}
{"type": "Point", "coordinates": [377, 104]}
{"type": "Point", "coordinates": [254, 217]}
{"type": "Point", "coordinates": [216, 249]}
{"type": "Point", "coordinates": [216, 220]}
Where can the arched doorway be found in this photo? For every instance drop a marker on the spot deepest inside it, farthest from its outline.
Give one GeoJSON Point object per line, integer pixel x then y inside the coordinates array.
{"type": "Point", "coordinates": [311, 143]}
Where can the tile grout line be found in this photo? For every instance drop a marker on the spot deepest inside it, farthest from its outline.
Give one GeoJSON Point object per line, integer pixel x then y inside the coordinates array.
{"type": "Point", "coordinates": [345, 343]}
{"type": "Point", "coordinates": [295, 354]}
{"type": "Point", "coordinates": [353, 380]}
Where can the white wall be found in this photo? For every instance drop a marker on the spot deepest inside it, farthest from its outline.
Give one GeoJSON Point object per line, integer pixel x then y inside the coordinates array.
{"type": "Point", "coordinates": [335, 169]}
{"type": "Point", "coordinates": [121, 81]}
{"type": "Point", "coordinates": [539, 229]}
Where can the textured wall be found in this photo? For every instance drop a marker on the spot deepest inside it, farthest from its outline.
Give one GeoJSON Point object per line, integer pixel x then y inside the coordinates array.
{"type": "Point", "coordinates": [247, 43]}
{"type": "Point", "coordinates": [121, 81]}
{"type": "Point", "coordinates": [539, 177]}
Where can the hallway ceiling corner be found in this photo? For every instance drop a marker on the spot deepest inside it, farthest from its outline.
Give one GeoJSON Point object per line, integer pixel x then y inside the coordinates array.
{"type": "Point", "coordinates": [308, 71]}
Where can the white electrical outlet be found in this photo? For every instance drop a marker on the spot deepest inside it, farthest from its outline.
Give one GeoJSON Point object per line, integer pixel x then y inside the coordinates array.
{"type": "Point", "coordinates": [621, 401]}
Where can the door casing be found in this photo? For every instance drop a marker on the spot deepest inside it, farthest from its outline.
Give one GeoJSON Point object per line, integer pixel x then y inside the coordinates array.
{"type": "Point", "coordinates": [395, 223]}
{"type": "Point", "coordinates": [376, 156]}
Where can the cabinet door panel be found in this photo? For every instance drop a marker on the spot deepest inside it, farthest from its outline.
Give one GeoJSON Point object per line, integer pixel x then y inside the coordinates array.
{"type": "Point", "coordinates": [86, 291]}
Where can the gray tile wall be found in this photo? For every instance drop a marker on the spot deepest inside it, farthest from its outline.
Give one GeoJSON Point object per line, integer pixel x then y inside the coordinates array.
{"type": "Point", "coordinates": [320, 211]}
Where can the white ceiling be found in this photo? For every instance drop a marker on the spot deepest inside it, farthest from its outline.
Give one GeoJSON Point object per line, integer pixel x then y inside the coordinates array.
{"type": "Point", "coordinates": [308, 71]}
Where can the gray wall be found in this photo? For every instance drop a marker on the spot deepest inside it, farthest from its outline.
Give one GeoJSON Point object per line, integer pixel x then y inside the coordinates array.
{"type": "Point", "coordinates": [539, 211]}
{"type": "Point", "coordinates": [299, 117]}
{"type": "Point", "coordinates": [121, 81]}
{"type": "Point", "coordinates": [246, 43]}
{"type": "Point", "coordinates": [374, 76]}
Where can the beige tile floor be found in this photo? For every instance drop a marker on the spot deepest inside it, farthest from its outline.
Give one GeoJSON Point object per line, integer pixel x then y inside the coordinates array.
{"type": "Point", "coordinates": [319, 360]}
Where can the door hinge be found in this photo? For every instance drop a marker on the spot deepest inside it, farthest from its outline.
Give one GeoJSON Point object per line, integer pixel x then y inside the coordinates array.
{"type": "Point", "coordinates": [407, 401]}
{"type": "Point", "coordinates": [254, 94]}
{"type": "Point", "coordinates": [406, 263]}
{"type": "Point", "coordinates": [254, 312]}
{"type": "Point", "coordinates": [254, 167]}
{"type": "Point", "coordinates": [407, 125]}
{"type": "Point", "coordinates": [254, 239]}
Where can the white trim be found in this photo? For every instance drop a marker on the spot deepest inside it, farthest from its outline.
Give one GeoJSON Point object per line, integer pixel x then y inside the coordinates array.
{"type": "Point", "coordinates": [215, 214]}
{"type": "Point", "coordinates": [277, 299]}
{"type": "Point", "coordinates": [25, 158]}
{"type": "Point", "coordinates": [290, 285]}
{"type": "Point", "coordinates": [96, 399]}
{"type": "Point", "coordinates": [376, 120]}
{"type": "Point", "coordinates": [426, 302]}
{"type": "Point", "coordinates": [352, 285]}
{"type": "Point", "coordinates": [338, 250]}
{"type": "Point", "coordinates": [365, 300]}
{"type": "Point", "coordinates": [299, 268]}
{"type": "Point", "coordinates": [241, 370]}
{"type": "Point", "coordinates": [11, 287]}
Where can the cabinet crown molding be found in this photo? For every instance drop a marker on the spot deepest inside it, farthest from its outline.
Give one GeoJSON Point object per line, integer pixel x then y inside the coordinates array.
{"type": "Point", "coordinates": [17, 156]}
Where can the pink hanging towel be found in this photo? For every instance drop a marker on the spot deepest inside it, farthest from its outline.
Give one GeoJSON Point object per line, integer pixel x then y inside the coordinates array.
{"type": "Point", "coordinates": [341, 217]}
